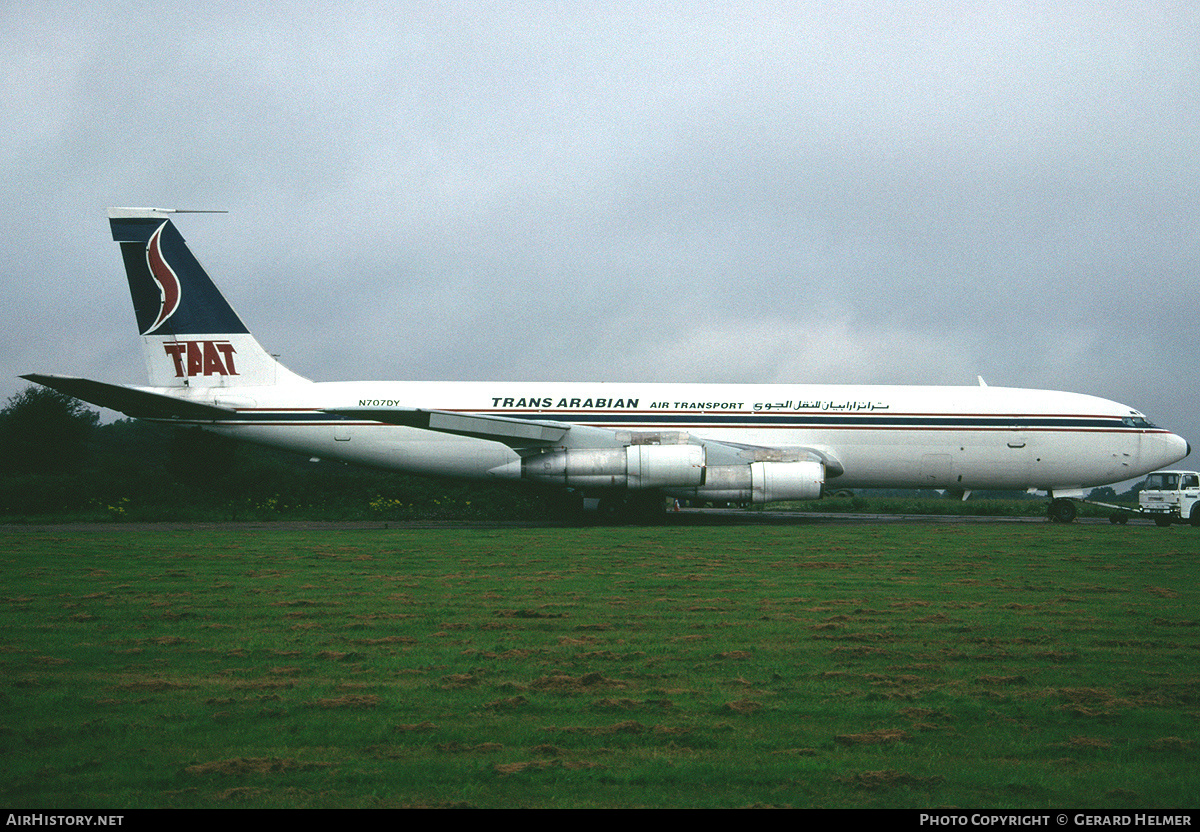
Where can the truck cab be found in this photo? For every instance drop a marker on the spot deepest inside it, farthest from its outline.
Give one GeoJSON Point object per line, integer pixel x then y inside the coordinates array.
{"type": "Point", "coordinates": [1171, 497]}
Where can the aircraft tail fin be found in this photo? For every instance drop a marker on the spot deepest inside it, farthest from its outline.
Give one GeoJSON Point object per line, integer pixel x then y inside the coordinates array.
{"type": "Point", "coordinates": [191, 337]}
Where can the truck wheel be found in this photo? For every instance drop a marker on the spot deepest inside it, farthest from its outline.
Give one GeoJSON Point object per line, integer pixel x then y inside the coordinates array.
{"type": "Point", "coordinates": [1162, 522]}
{"type": "Point", "coordinates": [1195, 518]}
{"type": "Point", "coordinates": [1061, 511]}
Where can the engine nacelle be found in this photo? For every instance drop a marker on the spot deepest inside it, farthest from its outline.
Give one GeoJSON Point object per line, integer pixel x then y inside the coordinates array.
{"type": "Point", "coordinates": [762, 482]}
{"type": "Point", "coordinates": [632, 467]}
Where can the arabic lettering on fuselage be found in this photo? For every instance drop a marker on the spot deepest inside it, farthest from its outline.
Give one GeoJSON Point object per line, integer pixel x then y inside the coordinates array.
{"type": "Point", "coordinates": [807, 404]}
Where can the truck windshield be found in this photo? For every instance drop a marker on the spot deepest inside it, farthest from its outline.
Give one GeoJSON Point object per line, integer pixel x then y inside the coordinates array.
{"type": "Point", "coordinates": [1162, 482]}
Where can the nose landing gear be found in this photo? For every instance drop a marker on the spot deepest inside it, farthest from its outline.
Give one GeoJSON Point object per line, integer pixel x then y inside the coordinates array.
{"type": "Point", "coordinates": [1061, 510]}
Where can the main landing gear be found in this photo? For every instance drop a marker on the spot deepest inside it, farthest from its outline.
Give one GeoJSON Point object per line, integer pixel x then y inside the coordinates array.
{"type": "Point", "coordinates": [640, 507]}
{"type": "Point", "coordinates": [611, 508]}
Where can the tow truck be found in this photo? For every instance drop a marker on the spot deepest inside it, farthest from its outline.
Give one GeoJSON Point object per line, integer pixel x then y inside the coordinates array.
{"type": "Point", "coordinates": [1166, 497]}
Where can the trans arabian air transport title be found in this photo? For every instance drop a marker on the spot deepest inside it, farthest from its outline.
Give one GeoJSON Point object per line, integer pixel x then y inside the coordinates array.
{"type": "Point", "coordinates": [603, 403]}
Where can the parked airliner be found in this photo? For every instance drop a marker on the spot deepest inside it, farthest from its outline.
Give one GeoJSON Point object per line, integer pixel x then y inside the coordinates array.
{"type": "Point", "coordinates": [628, 444]}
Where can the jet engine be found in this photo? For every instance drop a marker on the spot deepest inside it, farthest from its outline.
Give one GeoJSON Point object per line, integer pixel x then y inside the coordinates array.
{"type": "Point", "coordinates": [762, 482]}
{"type": "Point", "coordinates": [632, 467]}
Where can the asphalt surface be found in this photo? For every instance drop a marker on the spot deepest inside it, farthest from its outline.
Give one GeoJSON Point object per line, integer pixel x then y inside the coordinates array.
{"type": "Point", "coordinates": [683, 518]}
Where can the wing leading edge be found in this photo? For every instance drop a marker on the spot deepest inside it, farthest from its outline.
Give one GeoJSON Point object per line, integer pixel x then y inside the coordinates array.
{"type": "Point", "coordinates": [516, 433]}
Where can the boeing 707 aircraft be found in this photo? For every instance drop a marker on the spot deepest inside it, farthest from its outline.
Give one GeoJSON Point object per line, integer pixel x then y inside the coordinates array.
{"type": "Point", "coordinates": [627, 444]}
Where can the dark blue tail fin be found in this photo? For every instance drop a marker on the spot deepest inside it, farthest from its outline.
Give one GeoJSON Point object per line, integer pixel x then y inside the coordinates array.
{"type": "Point", "coordinates": [190, 333]}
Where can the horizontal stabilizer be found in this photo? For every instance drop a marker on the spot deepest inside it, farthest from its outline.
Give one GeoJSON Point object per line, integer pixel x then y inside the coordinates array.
{"type": "Point", "coordinates": [140, 404]}
{"type": "Point", "coordinates": [511, 432]}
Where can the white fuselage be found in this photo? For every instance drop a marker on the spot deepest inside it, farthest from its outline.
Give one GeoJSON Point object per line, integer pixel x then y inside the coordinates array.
{"type": "Point", "coordinates": [960, 438]}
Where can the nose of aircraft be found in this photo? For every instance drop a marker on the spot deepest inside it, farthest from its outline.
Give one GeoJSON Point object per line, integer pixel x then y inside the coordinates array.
{"type": "Point", "coordinates": [1168, 449]}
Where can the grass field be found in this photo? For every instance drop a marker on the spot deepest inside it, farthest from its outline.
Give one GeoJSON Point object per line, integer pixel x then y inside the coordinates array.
{"type": "Point", "coordinates": [994, 666]}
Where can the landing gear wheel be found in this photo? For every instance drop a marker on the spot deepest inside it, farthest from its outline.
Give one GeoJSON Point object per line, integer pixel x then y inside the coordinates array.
{"type": "Point", "coordinates": [1117, 518]}
{"type": "Point", "coordinates": [1162, 522]}
{"type": "Point", "coordinates": [641, 507]}
{"type": "Point", "coordinates": [566, 506]}
{"type": "Point", "coordinates": [611, 509]}
{"type": "Point", "coordinates": [646, 507]}
{"type": "Point", "coordinates": [1061, 511]}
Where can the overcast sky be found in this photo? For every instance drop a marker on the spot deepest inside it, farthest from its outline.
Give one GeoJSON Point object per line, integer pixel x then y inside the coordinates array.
{"type": "Point", "coordinates": [870, 192]}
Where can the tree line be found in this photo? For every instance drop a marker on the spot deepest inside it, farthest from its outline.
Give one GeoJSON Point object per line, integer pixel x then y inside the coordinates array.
{"type": "Point", "coordinates": [59, 461]}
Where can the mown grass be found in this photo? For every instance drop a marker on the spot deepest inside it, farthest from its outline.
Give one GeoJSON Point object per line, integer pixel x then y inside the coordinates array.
{"type": "Point", "coordinates": [819, 665]}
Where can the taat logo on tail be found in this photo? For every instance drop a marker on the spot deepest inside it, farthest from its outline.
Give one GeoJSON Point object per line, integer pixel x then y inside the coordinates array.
{"type": "Point", "coordinates": [164, 276]}
{"type": "Point", "coordinates": [195, 358]}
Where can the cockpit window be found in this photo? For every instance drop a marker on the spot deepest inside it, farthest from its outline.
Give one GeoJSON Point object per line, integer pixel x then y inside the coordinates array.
{"type": "Point", "coordinates": [1138, 422]}
{"type": "Point", "coordinates": [1162, 482]}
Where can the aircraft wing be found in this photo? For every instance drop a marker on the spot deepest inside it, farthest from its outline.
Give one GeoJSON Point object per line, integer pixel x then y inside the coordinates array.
{"type": "Point", "coordinates": [521, 434]}
{"type": "Point", "coordinates": [516, 433]}
{"type": "Point", "coordinates": [790, 453]}
{"type": "Point", "coordinates": [139, 404]}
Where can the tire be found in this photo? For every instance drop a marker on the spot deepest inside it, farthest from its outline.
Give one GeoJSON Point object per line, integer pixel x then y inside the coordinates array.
{"type": "Point", "coordinates": [1162, 522]}
{"type": "Point", "coordinates": [1061, 511]}
{"type": "Point", "coordinates": [566, 506]}
{"type": "Point", "coordinates": [638, 507]}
